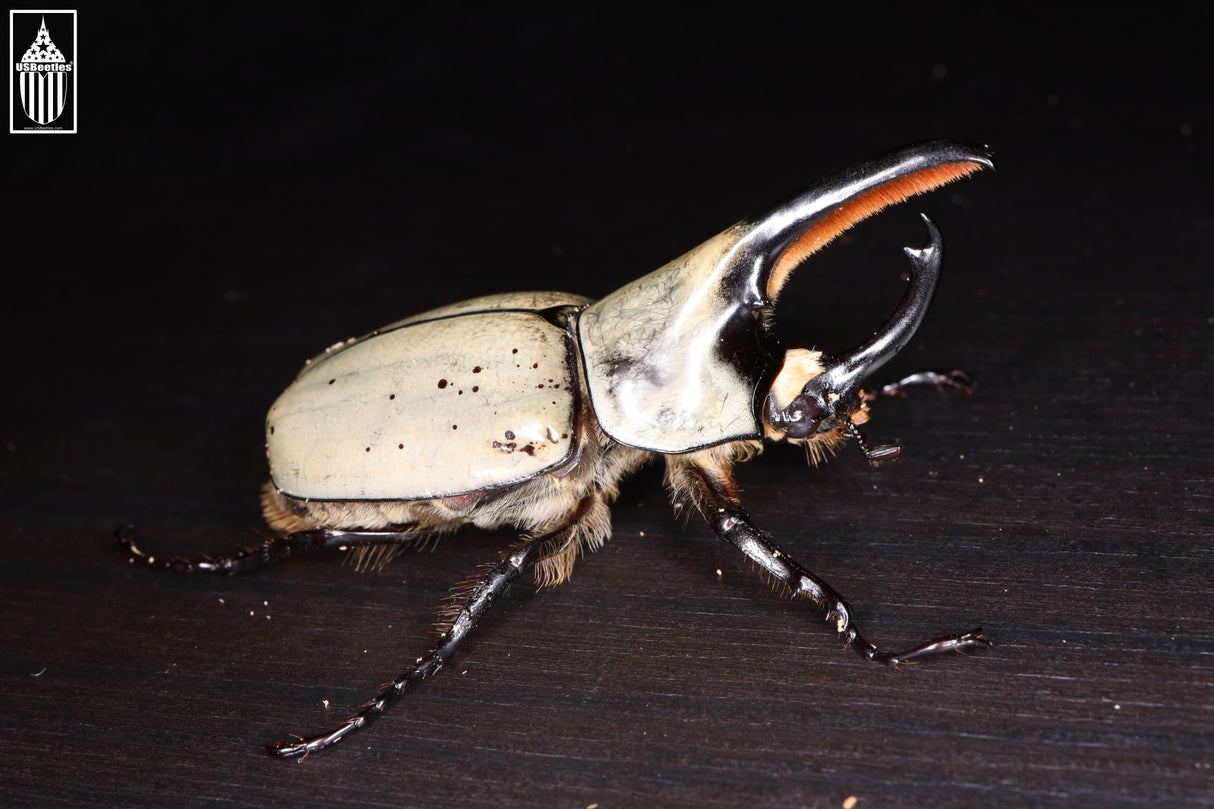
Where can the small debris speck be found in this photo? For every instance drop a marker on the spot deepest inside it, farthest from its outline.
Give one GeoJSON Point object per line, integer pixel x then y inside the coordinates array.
{"type": "Point", "coordinates": [850, 802]}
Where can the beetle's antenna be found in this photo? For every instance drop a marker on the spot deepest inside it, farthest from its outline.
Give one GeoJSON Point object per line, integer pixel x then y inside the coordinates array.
{"type": "Point", "coordinates": [875, 455]}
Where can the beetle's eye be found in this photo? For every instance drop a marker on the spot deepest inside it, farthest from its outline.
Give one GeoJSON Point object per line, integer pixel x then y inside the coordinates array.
{"type": "Point", "coordinates": [802, 417]}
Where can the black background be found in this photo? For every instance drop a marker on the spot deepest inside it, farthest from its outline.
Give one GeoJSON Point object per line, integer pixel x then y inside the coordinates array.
{"type": "Point", "coordinates": [250, 185]}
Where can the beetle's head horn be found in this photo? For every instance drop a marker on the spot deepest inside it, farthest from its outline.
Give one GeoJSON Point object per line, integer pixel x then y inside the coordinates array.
{"type": "Point", "coordinates": [828, 403]}
{"type": "Point", "coordinates": [841, 376]}
{"type": "Point", "coordinates": [816, 398]}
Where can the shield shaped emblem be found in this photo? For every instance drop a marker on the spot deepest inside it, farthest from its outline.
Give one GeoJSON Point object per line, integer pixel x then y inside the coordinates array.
{"type": "Point", "coordinates": [43, 92]}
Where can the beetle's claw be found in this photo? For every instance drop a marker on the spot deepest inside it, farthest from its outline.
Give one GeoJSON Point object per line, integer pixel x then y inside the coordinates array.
{"type": "Point", "coordinates": [959, 380]}
{"type": "Point", "coordinates": [299, 748]}
{"type": "Point", "coordinates": [974, 639]}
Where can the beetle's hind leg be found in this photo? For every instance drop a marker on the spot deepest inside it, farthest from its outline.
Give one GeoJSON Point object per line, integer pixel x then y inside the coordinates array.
{"type": "Point", "coordinates": [710, 488]}
{"type": "Point", "coordinates": [272, 548]}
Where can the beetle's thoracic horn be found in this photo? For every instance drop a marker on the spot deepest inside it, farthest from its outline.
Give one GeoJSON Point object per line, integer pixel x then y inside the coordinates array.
{"type": "Point", "coordinates": [791, 232]}
{"type": "Point", "coordinates": [843, 375]}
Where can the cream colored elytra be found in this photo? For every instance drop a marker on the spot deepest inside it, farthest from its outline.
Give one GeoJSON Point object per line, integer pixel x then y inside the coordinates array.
{"type": "Point", "coordinates": [449, 402]}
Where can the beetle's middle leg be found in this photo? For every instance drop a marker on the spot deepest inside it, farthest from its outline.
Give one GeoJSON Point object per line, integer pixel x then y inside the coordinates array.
{"type": "Point", "coordinates": [710, 488]}
{"type": "Point", "coordinates": [470, 604]}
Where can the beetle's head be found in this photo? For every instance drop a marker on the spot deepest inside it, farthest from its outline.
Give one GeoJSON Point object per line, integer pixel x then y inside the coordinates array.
{"type": "Point", "coordinates": [817, 399]}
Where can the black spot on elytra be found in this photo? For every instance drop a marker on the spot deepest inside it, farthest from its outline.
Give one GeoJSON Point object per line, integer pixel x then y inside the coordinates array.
{"type": "Point", "coordinates": [442, 383]}
{"type": "Point", "coordinates": [509, 435]}
{"type": "Point", "coordinates": [331, 381]}
{"type": "Point", "coordinates": [476, 369]}
{"type": "Point", "coordinates": [529, 449]}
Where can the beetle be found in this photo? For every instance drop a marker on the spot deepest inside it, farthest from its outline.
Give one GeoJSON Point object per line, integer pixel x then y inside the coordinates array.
{"type": "Point", "coordinates": [529, 409]}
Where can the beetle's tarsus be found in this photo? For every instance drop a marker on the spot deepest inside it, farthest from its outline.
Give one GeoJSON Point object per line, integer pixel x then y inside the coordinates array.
{"type": "Point", "coordinates": [124, 536]}
{"type": "Point", "coordinates": [974, 639]}
{"type": "Point", "coordinates": [272, 548]}
{"type": "Point", "coordinates": [956, 379]}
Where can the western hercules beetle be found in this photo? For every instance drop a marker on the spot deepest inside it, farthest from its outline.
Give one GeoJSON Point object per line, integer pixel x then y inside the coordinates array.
{"type": "Point", "coordinates": [529, 409]}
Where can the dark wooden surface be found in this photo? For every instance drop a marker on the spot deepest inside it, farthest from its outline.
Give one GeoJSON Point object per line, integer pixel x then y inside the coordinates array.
{"type": "Point", "coordinates": [250, 186]}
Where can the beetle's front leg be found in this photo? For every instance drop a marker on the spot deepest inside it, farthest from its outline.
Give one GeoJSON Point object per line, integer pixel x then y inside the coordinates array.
{"type": "Point", "coordinates": [710, 490]}
{"type": "Point", "coordinates": [956, 378]}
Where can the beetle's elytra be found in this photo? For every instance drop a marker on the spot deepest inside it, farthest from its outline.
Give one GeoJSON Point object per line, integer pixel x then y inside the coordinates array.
{"type": "Point", "coordinates": [529, 409]}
